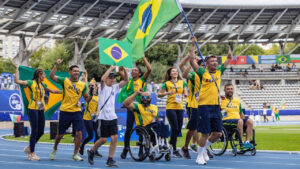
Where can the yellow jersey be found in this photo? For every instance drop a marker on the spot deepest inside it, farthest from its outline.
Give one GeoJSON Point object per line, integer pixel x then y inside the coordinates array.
{"type": "Point", "coordinates": [72, 92]}
{"type": "Point", "coordinates": [209, 93]}
{"type": "Point", "coordinates": [175, 101]}
{"type": "Point", "coordinates": [91, 108]}
{"type": "Point", "coordinates": [37, 94]}
{"type": "Point", "coordinates": [233, 108]}
{"type": "Point", "coordinates": [145, 115]}
{"type": "Point", "coordinates": [194, 85]}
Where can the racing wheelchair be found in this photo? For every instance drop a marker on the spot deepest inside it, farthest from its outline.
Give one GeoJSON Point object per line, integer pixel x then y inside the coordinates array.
{"type": "Point", "coordinates": [231, 134]}
{"type": "Point", "coordinates": [146, 145]}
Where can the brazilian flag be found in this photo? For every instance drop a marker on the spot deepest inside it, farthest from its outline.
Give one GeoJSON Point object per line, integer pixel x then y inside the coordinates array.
{"type": "Point", "coordinates": [54, 100]}
{"type": "Point", "coordinates": [113, 52]}
{"type": "Point", "coordinates": [283, 59]}
{"type": "Point", "coordinates": [149, 17]}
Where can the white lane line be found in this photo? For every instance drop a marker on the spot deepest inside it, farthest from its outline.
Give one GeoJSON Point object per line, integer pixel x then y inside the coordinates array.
{"type": "Point", "coordinates": [254, 162]}
{"type": "Point", "coordinates": [49, 165]}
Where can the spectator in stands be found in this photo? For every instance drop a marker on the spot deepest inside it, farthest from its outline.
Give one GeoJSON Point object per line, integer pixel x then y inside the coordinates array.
{"type": "Point", "coordinates": [272, 68]}
{"type": "Point", "coordinates": [9, 81]}
{"type": "Point", "coordinates": [265, 110]}
{"type": "Point", "coordinates": [231, 69]}
{"type": "Point", "coordinates": [294, 66]}
{"type": "Point", "coordinates": [277, 66]}
{"type": "Point", "coordinates": [5, 82]}
{"type": "Point", "coordinates": [261, 87]}
{"type": "Point", "coordinates": [253, 66]}
{"type": "Point", "coordinates": [298, 71]}
{"type": "Point", "coordinates": [261, 69]}
{"type": "Point", "coordinates": [288, 67]}
{"type": "Point", "coordinates": [152, 86]}
{"type": "Point", "coordinates": [245, 73]}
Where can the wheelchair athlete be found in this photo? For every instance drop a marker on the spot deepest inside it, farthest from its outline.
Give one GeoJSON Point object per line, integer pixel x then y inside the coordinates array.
{"type": "Point", "coordinates": [146, 115]}
{"type": "Point", "coordinates": [231, 110]}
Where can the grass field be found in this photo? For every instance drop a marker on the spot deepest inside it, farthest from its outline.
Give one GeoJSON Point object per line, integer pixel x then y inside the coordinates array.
{"type": "Point", "coordinates": [285, 138]}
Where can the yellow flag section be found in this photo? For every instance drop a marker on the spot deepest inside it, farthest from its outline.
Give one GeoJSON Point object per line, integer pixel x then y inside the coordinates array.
{"type": "Point", "coordinates": [54, 100]}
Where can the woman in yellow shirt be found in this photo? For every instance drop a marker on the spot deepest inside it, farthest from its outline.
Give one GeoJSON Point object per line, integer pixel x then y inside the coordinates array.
{"type": "Point", "coordinates": [90, 118]}
{"type": "Point", "coordinates": [175, 88]}
{"type": "Point", "coordinates": [36, 108]}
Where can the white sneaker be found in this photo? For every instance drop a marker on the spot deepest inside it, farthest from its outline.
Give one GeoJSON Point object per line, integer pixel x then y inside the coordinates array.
{"type": "Point", "coordinates": [205, 156]}
{"type": "Point", "coordinates": [200, 160]}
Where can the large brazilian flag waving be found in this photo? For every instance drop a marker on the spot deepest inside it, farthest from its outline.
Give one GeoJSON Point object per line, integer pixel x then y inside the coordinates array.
{"type": "Point", "coordinates": [54, 100]}
{"type": "Point", "coordinates": [149, 17]}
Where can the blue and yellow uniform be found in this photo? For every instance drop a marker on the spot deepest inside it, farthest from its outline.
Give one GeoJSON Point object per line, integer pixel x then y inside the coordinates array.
{"type": "Point", "coordinates": [194, 86]}
{"type": "Point", "coordinates": [91, 126]}
{"type": "Point", "coordinates": [209, 114]}
{"type": "Point", "coordinates": [37, 94]}
{"type": "Point", "coordinates": [36, 113]}
{"type": "Point", "coordinates": [148, 117]}
{"type": "Point", "coordinates": [174, 107]}
{"type": "Point", "coordinates": [132, 86]}
{"type": "Point", "coordinates": [70, 109]}
{"type": "Point", "coordinates": [231, 110]}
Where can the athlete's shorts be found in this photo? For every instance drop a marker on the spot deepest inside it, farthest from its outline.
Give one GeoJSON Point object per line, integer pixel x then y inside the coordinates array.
{"type": "Point", "coordinates": [109, 128]}
{"type": "Point", "coordinates": [231, 122]}
{"type": "Point", "coordinates": [192, 124]}
{"type": "Point", "coordinates": [209, 119]}
{"type": "Point", "coordinates": [68, 118]}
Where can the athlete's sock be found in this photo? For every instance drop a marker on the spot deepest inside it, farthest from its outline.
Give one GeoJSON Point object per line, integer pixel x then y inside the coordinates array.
{"type": "Point", "coordinates": [200, 150]}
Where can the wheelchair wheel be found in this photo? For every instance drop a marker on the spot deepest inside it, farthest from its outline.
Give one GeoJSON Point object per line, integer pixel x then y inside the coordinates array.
{"type": "Point", "coordinates": [139, 146]}
{"type": "Point", "coordinates": [253, 151]}
{"type": "Point", "coordinates": [235, 141]}
{"type": "Point", "coordinates": [159, 157]}
{"type": "Point", "coordinates": [168, 157]}
{"type": "Point", "coordinates": [152, 157]}
{"type": "Point", "coordinates": [219, 147]}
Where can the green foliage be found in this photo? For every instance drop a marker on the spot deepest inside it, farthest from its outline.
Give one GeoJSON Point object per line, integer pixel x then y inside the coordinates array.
{"type": "Point", "coordinates": [252, 50]}
{"type": "Point", "coordinates": [158, 71]}
{"type": "Point", "coordinates": [6, 65]}
{"type": "Point", "coordinates": [274, 50]}
{"type": "Point", "coordinates": [164, 53]}
{"type": "Point", "coordinates": [36, 57]}
{"type": "Point", "coordinates": [214, 49]}
{"type": "Point", "coordinates": [50, 56]}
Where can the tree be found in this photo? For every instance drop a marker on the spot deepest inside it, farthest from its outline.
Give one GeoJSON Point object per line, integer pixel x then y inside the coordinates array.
{"type": "Point", "coordinates": [50, 56]}
{"type": "Point", "coordinates": [36, 57]}
{"type": "Point", "coordinates": [6, 65]}
{"type": "Point", "coordinates": [158, 71]}
{"type": "Point", "coordinates": [214, 49]}
{"type": "Point", "coordinates": [252, 50]}
{"type": "Point", "coordinates": [274, 50]}
{"type": "Point", "coordinates": [166, 54]}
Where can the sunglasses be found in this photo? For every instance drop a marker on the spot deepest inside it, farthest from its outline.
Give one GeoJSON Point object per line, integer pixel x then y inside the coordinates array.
{"type": "Point", "coordinates": [145, 97]}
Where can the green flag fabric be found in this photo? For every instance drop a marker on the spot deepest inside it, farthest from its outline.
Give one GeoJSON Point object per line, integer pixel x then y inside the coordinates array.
{"type": "Point", "coordinates": [54, 100]}
{"type": "Point", "coordinates": [113, 52]}
{"type": "Point", "coordinates": [128, 90]}
{"type": "Point", "coordinates": [149, 17]}
{"type": "Point", "coordinates": [283, 59]}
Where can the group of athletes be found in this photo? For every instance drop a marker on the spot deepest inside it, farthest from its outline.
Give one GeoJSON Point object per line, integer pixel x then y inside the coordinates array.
{"type": "Point", "coordinates": [205, 107]}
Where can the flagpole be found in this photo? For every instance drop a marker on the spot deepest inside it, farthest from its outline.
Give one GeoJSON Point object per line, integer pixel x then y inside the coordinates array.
{"type": "Point", "coordinates": [189, 26]}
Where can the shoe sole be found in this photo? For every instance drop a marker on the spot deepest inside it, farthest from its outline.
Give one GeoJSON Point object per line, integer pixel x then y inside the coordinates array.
{"type": "Point", "coordinates": [77, 160]}
{"type": "Point", "coordinates": [111, 166]}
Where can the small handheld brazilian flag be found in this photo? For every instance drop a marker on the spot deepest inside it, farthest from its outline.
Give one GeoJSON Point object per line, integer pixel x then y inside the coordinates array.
{"type": "Point", "coordinates": [113, 52]}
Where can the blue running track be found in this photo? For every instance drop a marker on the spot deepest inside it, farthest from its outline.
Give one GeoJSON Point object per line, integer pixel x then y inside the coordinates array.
{"type": "Point", "coordinates": [13, 157]}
